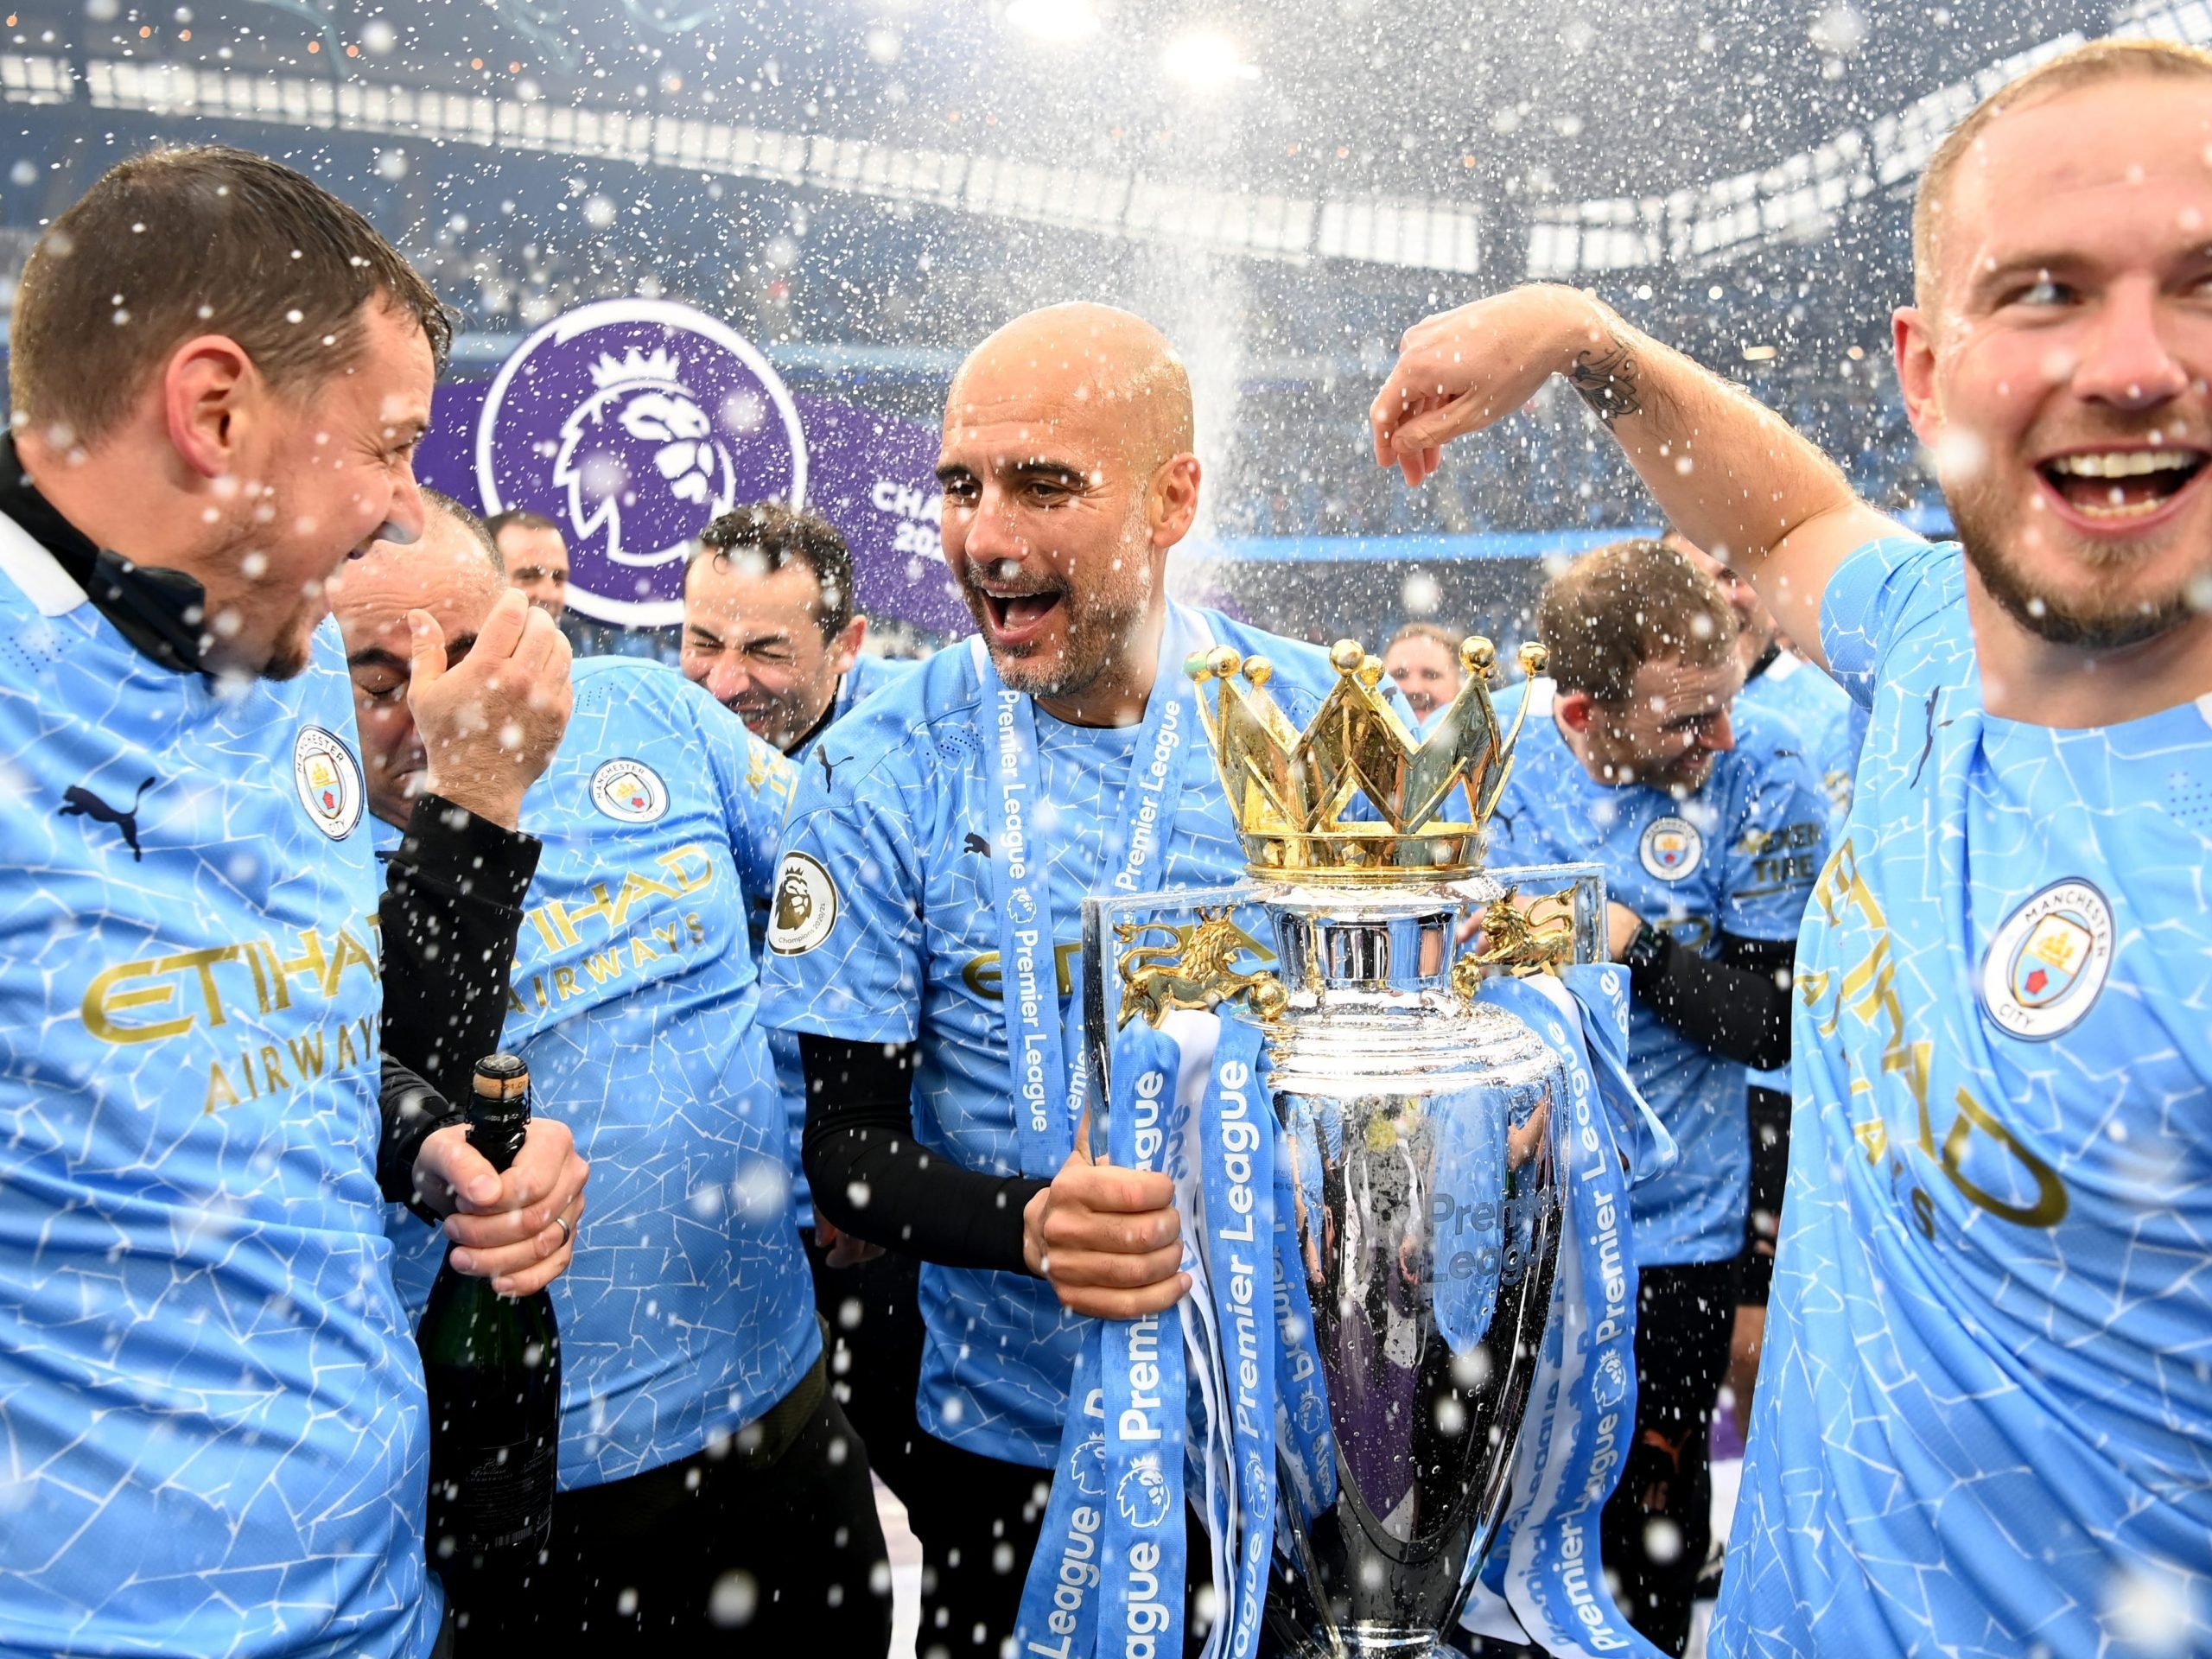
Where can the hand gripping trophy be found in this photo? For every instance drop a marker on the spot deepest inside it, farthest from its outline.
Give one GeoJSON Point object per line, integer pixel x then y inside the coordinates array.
{"type": "Point", "coordinates": [1391, 1090]}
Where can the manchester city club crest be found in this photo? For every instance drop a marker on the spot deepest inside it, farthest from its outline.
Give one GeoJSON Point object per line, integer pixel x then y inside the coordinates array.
{"type": "Point", "coordinates": [629, 791]}
{"type": "Point", "coordinates": [1671, 848]}
{"type": "Point", "coordinates": [329, 781]}
{"type": "Point", "coordinates": [2047, 960]}
{"type": "Point", "coordinates": [632, 423]}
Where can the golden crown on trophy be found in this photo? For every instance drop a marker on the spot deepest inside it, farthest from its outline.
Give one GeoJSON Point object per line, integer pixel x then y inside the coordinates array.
{"type": "Point", "coordinates": [1290, 790]}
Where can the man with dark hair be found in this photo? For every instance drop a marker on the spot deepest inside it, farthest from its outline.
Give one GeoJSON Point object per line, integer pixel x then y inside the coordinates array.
{"type": "Point", "coordinates": [212, 1408]}
{"type": "Point", "coordinates": [711, 1491]}
{"type": "Point", "coordinates": [770, 630]}
{"type": "Point", "coordinates": [1708, 824]}
{"type": "Point", "coordinates": [537, 558]}
{"type": "Point", "coordinates": [769, 624]}
{"type": "Point", "coordinates": [1980, 1425]}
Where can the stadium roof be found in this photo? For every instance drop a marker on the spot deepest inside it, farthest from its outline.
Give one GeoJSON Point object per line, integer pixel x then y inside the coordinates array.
{"type": "Point", "coordinates": [1579, 134]}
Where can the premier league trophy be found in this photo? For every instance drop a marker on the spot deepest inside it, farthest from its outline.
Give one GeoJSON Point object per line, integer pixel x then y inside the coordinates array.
{"type": "Point", "coordinates": [1418, 1171]}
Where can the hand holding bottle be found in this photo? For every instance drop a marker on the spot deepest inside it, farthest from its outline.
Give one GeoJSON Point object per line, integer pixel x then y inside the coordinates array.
{"type": "Point", "coordinates": [516, 1227]}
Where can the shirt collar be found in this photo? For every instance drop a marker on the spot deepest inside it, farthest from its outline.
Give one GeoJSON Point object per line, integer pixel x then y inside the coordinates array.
{"type": "Point", "coordinates": [158, 611]}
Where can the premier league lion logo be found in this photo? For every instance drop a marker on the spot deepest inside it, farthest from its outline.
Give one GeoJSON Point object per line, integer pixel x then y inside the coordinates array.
{"type": "Point", "coordinates": [1142, 1495]}
{"type": "Point", "coordinates": [1609, 1385]}
{"type": "Point", "coordinates": [641, 411]}
{"type": "Point", "coordinates": [1087, 1468]}
{"type": "Point", "coordinates": [632, 423]}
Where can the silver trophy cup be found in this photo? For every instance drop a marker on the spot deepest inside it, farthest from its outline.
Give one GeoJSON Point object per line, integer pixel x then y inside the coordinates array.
{"type": "Point", "coordinates": [1424, 1141]}
{"type": "Point", "coordinates": [1422, 1134]}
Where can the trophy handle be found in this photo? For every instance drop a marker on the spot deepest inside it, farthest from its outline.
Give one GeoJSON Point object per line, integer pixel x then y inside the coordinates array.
{"type": "Point", "coordinates": [1521, 940]}
{"type": "Point", "coordinates": [1195, 968]}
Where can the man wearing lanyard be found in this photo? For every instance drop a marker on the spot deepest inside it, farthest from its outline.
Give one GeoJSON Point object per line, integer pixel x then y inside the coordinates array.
{"type": "Point", "coordinates": [927, 912]}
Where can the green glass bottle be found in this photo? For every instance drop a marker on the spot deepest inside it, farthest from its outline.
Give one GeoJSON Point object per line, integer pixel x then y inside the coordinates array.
{"type": "Point", "coordinates": [493, 1366]}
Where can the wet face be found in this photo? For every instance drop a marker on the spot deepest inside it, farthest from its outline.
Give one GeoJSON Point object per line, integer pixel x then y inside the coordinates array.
{"type": "Point", "coordinates": [448, 574]}
{"type": "Point", "coordinates": [1426, 673]}
{"type": "Point", "coordinates": [1048, 526]}
{"type": "Point", "coordinates": [751, 637]}
{"type": "Point", "coordinates": [1667, 733]}
{"type": "Point", "coordinates": [537, 563]}
{"type": "Point", "coordinates": [2061, 380]}
{"type": "Point", "coordinates": [330, 466]}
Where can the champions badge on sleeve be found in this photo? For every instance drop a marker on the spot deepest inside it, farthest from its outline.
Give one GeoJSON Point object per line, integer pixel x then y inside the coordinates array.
{"type": "Point", "coordinates": [632, 424]}
{"type": "Point", "coordinates": [1410, 1344]}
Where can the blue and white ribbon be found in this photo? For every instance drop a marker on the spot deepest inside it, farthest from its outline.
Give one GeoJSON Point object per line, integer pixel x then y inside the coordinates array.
{"type": "Point", "coordinates": [1543, 1581]}
{"type": "Point", "coordinates": [1238, 1144]}
{"type": "Point", "coordinates": [1047, 1092]}
{"type": "Point", "coordinates": [1141, 1366]}
{"type": "Point", "coordinates": [1113, 1530]}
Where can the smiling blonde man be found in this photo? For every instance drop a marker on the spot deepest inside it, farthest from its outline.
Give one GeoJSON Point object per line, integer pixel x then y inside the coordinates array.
{"type": "Point", "coordinates": [1980, 1427]}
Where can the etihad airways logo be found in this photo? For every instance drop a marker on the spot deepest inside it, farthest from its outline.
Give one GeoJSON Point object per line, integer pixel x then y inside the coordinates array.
{"type": "Point", "coordinates": [233, 993]}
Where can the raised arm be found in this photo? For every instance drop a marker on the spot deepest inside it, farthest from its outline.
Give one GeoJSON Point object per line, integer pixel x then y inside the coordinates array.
{"type": "Point", "coordinates": [1728, 472]}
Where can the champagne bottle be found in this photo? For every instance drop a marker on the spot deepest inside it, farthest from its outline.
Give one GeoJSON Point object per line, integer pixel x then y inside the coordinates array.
{"type": "Point", "coordinates": [493, 1367]}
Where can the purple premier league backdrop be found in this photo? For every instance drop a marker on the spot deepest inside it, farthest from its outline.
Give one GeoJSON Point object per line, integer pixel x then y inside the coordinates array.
{"type": "Point", "coordinates": [631, 423]}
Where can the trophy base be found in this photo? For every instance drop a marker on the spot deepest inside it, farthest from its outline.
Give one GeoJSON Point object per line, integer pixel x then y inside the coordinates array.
{"type": "Point", "coordinates": [1358, 1642]}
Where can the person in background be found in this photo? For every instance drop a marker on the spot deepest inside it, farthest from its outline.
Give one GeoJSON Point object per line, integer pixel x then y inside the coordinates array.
{"type": "Point", "coordinates": [1422, 659]}
{"type": "Point", "coordinates": [1709, 825]}
{"type": "Point", "coordinates": [770, 630]}
{"type": "Point", "coordinates": [212, 1409]}
{"type": "Point", "coordinates": [1828, 727]}
{"type": "Point", "coordinates": [537, 558]}
{"type": "Point", "coordinates": [711, 1489]}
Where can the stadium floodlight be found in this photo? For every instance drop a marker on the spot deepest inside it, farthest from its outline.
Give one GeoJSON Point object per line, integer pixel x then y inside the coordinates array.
{"type": "Point", "coordinates": [1056, 22]}
{"type": "Point", "coordinates": [1205, 60]}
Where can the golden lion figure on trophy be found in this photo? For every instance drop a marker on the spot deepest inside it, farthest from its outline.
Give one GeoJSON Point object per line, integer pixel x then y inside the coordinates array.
{"type": "Point", "coordinates": [1523, 942]}
{"type": "Point", "coordinates": [1194, 970]}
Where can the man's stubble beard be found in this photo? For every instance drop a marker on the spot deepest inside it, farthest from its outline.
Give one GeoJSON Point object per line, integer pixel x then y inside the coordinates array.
{"type": "Point", "coordinates": [1984, 532]}
{"type": "Point", "coordinates": [1100, 627]}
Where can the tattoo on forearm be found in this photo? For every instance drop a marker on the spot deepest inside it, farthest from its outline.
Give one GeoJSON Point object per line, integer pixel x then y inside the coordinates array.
{"type": "Point", "coordinates": [1607, 381]}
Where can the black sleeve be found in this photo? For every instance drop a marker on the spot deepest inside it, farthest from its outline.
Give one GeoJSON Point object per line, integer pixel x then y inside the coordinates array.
{"type": "Point", "coordinates": [1737, 1004]}
{"type": "Point", "coordinates": [871, 1178]}
{"type": "Point", "coordinates": [451, 907]}
{"type": "Point", "coordinates": [412, 1112]}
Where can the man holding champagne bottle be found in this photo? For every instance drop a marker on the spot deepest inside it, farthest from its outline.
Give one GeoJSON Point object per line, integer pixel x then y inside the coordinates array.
{"type": "Point", "coordinates": [709, 1485]}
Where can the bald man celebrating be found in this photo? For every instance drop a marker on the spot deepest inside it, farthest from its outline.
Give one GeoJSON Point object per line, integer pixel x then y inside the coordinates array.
{"type": "Point", "coordinates": [905, 908]}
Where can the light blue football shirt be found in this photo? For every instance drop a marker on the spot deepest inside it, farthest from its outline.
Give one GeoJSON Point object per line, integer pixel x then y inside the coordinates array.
{"type": "Point", "coordinates": [212, 1438]}
{"type": "Point", "coordinates": [689, 1311]}
{"type": "Point", "coordinates": [1820, 714]}
{"type": "Point", "coordinates": [1983, 1423]}
{"type": "Point", "coordinates": [894, 807]}
{"type": "Point", "coordinates": [1738, 857]}
{"type": "Point", "coordinates": [1828, 727]}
